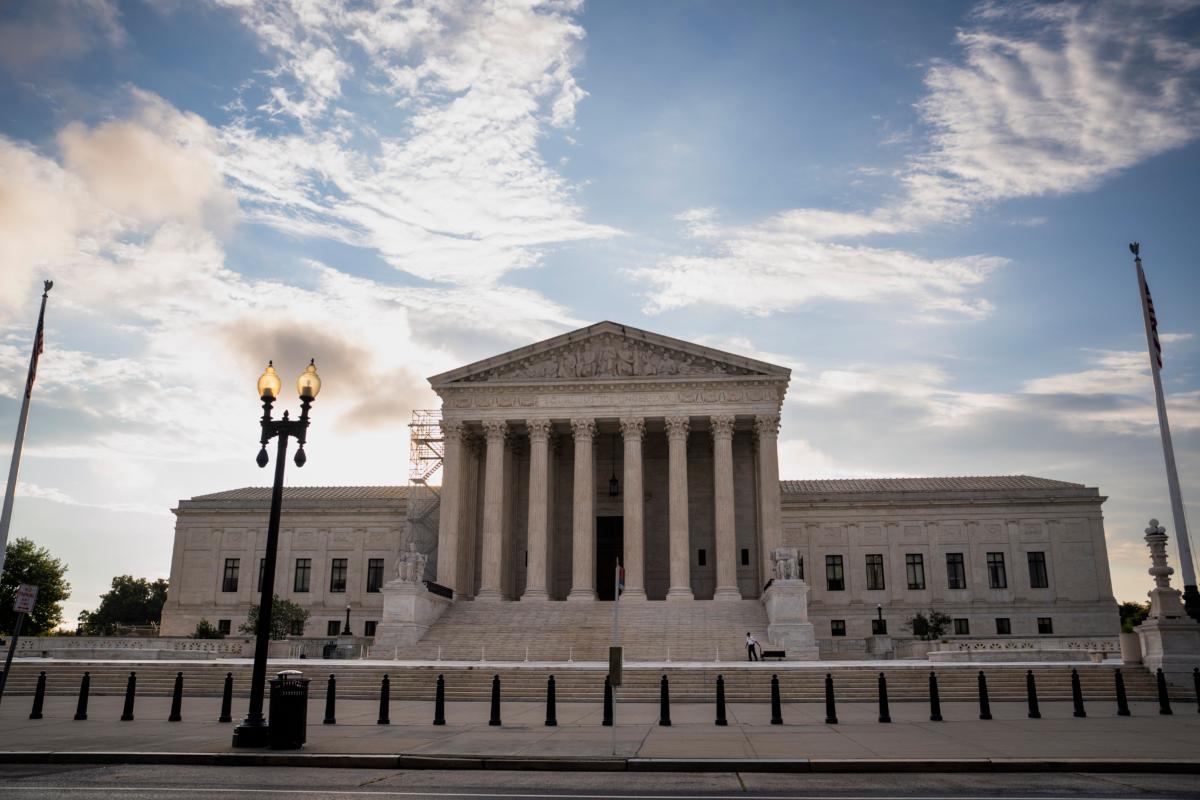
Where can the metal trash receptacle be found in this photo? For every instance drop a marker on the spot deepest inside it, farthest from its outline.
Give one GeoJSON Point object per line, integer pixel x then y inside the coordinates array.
{"type": "Point", "coordinates": [287, 715]}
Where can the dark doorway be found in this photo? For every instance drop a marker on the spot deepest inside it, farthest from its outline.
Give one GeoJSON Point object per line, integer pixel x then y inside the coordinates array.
{"type": "Point", "coordinates": [610, 544]}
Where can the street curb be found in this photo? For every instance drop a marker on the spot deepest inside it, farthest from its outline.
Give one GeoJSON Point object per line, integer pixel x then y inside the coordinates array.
{"type": "Point", "coordinates": [604, 764]}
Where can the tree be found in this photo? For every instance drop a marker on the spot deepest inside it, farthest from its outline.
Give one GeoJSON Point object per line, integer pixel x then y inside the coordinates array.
{"type": "Point", "coordinates": [25, 562]}
{"type": "Point", "coordinates": [1133, 614]}
{"type": "Point", "coordinates": [130, 602]}
{"type": "Point", "coordinates": [929, 627]}
{"type": "Point", "coordinates": [206, 630]}
{"type": "Point", "coordinates": [284, 614]}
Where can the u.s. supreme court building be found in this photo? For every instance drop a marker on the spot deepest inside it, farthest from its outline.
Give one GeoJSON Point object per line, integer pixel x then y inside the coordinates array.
{"type": "Point", "coordinates": [610, 442]}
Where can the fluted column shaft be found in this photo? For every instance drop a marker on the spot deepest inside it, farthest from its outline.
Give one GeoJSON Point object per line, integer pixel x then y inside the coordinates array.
{"type": "Point", "coordinates": [726, 539]}
{"type": "Point", "coordinates": [677, 509]}
{"type": "Point", "coordinates": [633, 430]}
{"type": "Point", "coordinates": [450, 510]}
{"type": "Point", "coordinates": [583, 528]}
{"type": "Point", "coordinates": [536, 577]}
{"type": "Point", "coordinates": [493, 511]}
{"type": "Point", "coordinates": [769, 510]}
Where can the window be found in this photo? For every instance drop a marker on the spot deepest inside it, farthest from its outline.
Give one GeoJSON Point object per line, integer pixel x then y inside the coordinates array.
{"type": "Point", "coordinates": [1003, 626]}
{"type": "Point", "coordinates": [997, 578]}
{"type": "Point", "coordinates": [835, 579]}
{"type": "Point", "coordinates": [879, 627]}
{"type": "Point", "coordinates": [914, 563]}
{"type": "Point", "coordinates": [374, 574]}
{"type": "Point", "coordinates": [1045, 626]}
{"type": "Point", "coordinates": [800, 567]}
{"type": "Point", "coordinates": [262, 571]}
{"type": "Point", "coordinates": [837, 627]}
{"type": "Point", "coordinates": [297, 627]}
{"type": "Point", "coordinates": [337, 576]}
{"type": "Point", "coordinates": [962, 627]}
{"type": "Point", "coordinates": [875, 571]}
{"type": "Point", "coordinates": [369, 627]}
{"type": "Point", "coordinates": [333, 627]}
{"type": "Point", "coordinates": [303, 574]}
{"type": "Point", "coordinates": [223, 627]}
{"type": "Point", "coordinates": [701, 557]}
{"type": "Point", "coordinates": [1037, 571]}
{"type": "Point", "coordinates": [745, 556]}
{"type": "Point", "coordinates": [229, 582]}
{"type": "Point", "coordinates": [956, 572]}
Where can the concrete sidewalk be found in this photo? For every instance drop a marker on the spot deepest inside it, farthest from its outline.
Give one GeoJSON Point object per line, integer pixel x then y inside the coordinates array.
{"type": "Point", "coordinates": [962, 741]}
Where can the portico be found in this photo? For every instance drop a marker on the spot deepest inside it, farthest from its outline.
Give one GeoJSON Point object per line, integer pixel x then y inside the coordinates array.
{"type": "Point", "coordinates": [555, 451]}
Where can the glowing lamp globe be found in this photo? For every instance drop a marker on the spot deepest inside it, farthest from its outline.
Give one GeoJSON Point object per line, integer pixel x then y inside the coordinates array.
{"type": "Point", "coordinates": [309, 383]}
{"type": "Point", "coordinates": [269, 383]}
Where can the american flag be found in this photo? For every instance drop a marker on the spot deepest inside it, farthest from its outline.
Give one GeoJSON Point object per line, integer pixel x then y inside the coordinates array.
{"type": "Point", "coordinates": [1150, 312]}
{"type": "Point", "coordinates": [39, 342]}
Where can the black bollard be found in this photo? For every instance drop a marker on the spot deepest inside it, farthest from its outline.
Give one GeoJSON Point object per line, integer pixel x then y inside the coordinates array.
{"type": "Point", "coordinates": [664, 702]}
{"type": "Point", "coordinates": [1122, 701]}
{"type": "Point", "coordinates": [1077, 694]}
{"type": "Point", "coordinates": [608, 704]}
{"type": "Point", "coordinates": [776, 704]}
{"type": "Point", "coordinates": [227, 700]}
{"type": "Point", "coordinates": [130, 688]}
{"type": "Point", "coordinates": [385, 698]}
{"type": "Point", "coordinates": [177, 700]}
{"type": "Point", "coordinates": [1164, 701]}
{"type": "Point", "coordinates": [81, 706]}
{"type": "Point", "coordinates": [551, 712]}
{"type": "Point", "coordinates": [985, 706]}
{"type": "Point", "coordinates": [1196, 686]}
{"type": "Point", "coordinates": [721, 701]}
{"type": "Point", "coordinates": [330, 702]}
{"type": "Point", "coordinates": [830, 706]}
{"type": "Point", "coordinates": [495, 718]}
{"type": "Point", "coordinates": [1031, 695]}
{"type": "Point", "coordinates": [935, 699]}
{"type": "Point", "coordinates": [39, 697]}
{"type": "Point", "coordinates": [884, 714]}
{"type": "Point", "coordinates": [439, 702]}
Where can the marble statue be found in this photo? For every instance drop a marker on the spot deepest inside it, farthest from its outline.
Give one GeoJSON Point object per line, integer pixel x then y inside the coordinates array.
{"type": "Point", "coordinates": [786, 563]}
{"type": "Point", "coordinates": [410, 567]}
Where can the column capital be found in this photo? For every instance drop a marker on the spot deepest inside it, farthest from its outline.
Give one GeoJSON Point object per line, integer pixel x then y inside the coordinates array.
{"type": "Point", "coordinates": [677, 427]}
{"type": "Point", "coordinates": [452, 428]}
{"type": "Point", "coordinates": [766, 425]}
{"type": "Point", "coordinates": [539, 429]}
{"type": "Point", "coordinates": [721, 426]}
{"type": "Point", "coordinates": [633, 428]}
{"type": "Point", "coordinates": [495, 429]}
{"type": "Point", "coordinates": [584, 428]}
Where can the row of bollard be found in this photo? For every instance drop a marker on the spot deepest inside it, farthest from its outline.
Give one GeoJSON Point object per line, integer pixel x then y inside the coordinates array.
{"type": "Point", "coordinates": [664, 717]}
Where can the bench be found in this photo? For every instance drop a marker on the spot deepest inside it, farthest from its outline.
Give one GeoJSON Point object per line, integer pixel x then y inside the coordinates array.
{"type": "Point", "coordinates": [780, 654]}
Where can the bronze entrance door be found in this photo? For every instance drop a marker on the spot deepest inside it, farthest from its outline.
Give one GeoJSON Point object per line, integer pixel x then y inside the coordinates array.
{"type": "Point", "coordinates": [610, 543]}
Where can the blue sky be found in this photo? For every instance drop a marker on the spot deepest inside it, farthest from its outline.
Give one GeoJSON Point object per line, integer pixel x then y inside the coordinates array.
{"type": "Point", "coordinates": [921, 208]}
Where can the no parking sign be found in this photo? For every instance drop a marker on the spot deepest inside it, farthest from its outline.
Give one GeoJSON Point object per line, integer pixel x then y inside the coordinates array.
{"type": "Point", "coordinates": [25, 598]}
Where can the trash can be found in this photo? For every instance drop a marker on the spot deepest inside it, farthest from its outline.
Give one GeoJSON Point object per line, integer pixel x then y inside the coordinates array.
{"type": "Point", "coordinates": [288, 711]}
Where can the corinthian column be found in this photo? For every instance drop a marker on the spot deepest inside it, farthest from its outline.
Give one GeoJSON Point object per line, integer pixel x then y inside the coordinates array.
{"type": "Point", "coordinates": [677, 509]}
{"type": "Point", "coordinates": [769, 510]}
{"type": "Point", "coordinates": [583, 528]}
{"type": "Point", "coordinates": [539, 493]}
{"type": "Point", "coordinates": [726, 540]}
{"type": "Point", "coordinates": [449, 513]}
{"type": "Point", "coordinates": [632, 430]}
{"type": "Point", "coordinates": [493, 511]}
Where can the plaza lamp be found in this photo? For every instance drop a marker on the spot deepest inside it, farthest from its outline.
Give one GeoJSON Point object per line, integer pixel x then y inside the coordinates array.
{"type": "Point", "coordinates": [252, 732]}
{"type": "Point", "coordinates": [346, 630]}
{"type": "Point", "coordinates": [614, 486]}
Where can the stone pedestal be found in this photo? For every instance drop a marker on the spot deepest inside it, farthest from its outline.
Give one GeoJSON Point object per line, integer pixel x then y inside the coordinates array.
{"type": "Point", "coordinates": [409, 609]}
{"type": "Point", "coordinates": [1170, 638]}
{"type": "Point", "coordinates": [788, 627]}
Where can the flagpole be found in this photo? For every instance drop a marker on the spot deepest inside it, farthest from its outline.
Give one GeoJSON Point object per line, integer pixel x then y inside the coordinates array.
{"type": "Point", "coordinates": [1191, 596]}
{"type": "Point", "coordinates": [11, 489]}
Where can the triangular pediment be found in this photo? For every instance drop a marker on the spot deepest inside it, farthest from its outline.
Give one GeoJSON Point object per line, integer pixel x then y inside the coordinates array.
{"type": "Point", "coordinates": [608, 351]}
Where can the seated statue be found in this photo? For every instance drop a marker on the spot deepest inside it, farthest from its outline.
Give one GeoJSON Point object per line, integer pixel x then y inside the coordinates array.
{"type": "Point", "coordinates": [786, 563]}
{"type": "Point", "coordinates": [410, 566]}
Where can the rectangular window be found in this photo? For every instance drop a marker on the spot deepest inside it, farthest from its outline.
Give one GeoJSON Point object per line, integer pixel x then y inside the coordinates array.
{"type": "Point", "coordinates": [297, 627]}
{"type": "Point", "coordinates": [369, 627]}
{"type": "Point", "coordinates": [1045, 626]}
{"type": "Point", "coordinates": [914, 563]}
{"type": "Point", "coordinates": [997, 577]}
{"type": "Point", "coordinates": [1003, 626]}
{"type": "Point", "coordinates": [962, 627]}
{"type": "Point", "coordinates": [374, 574]}
{"type": "Point", "coordinates": [835, 579]}
{"type": "Point", "coordinates": [745, 556]}
{"type": "Point", "coordinates": [337, 576]}
{"type": "Point", "coordinates": [701, 557]}
{"type": "Point", "coordinates": [303, 574]}
{"type": "Point", "coordinates": [879, 627]}
{"type": "Point", "coordinates": [875, 572]}
{"type": "Point", "coordinates": [800, 567]}
{"type": "Point", "coordinates": [229, 582]}
{"type": "Point", "coordinates": [1038, 579]}
{"type": "Point", "coordinates": [223, 627]}
{"type": "Point", "coordinates": [333, 627]}
{"type": "Point", "coordinates": [262, 571]}
{"type": "Point", "coordinates": [956, 571]}
{"type": "Point", "coordinates": [837, 627]}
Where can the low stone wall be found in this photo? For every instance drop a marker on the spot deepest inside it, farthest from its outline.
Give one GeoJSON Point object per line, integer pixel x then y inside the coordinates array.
{"type": "Point", "coordinates": [177, 648]}
{"type": "Point", "coordinates": [1039, 648]}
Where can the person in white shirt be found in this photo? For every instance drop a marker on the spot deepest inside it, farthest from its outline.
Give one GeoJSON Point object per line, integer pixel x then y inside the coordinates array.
{"type": "Point", "coordinates": [751, 647]}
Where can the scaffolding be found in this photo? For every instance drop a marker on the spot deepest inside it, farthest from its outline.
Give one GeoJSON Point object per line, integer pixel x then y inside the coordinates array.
{"type": "Point", "coordinates": [425, 452]}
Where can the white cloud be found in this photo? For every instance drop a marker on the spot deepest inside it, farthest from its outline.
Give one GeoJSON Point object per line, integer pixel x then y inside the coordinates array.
{"type": "Point", "coordinates": [50, 31]}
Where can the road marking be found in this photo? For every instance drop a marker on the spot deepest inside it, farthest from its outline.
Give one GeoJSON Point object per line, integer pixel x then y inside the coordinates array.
{"type": "Point", "coordinates": [209, 791]}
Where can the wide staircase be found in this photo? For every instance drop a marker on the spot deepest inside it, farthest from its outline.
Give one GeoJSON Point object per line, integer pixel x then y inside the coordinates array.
{"type": "Point", "coordinates": [579, 683]}
{"type": "Point", "coordinates": [652, 631]}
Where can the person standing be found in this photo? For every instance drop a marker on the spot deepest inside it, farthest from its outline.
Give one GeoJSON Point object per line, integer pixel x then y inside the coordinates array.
{"type": "Point", "coordinates": [751, 647]}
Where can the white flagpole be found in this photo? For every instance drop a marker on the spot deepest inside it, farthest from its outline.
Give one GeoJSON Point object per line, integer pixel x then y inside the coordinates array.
{"type": "Point", "coordinates": [11, 489]}
{"type": "Point", "coordinates": [1187, 566]}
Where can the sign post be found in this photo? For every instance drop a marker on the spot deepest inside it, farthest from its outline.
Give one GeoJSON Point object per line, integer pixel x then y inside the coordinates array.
{"type": "Point", "coordinates": [23, 603]}
{"type": "Point", "coordinates": [614, 652]}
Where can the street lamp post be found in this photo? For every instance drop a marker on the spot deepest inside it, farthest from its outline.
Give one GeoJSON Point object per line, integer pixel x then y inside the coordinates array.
{"type": "Point", "coordinates": [346, 630]}
{"type": "Point", "coordinates": [252, 732]}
